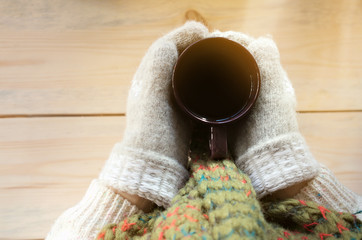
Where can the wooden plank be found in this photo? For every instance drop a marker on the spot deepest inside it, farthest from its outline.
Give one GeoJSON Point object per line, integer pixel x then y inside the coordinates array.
{"type": "Point", "coordinates": [71, 72]}
{"type": "Point", "coordinates": [335, 140]}
{"type": "Point", "coordinates": [73, 57]}
{"type": "Point", "coordinates": [46, 164]}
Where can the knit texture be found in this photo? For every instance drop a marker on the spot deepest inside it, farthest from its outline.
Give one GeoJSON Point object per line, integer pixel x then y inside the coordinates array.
{"type": "Point", "coordinates": [99, 206]}
{"type": "Point", "coordinates": [219, 202]}
{"type": "Point", "coordinates": [278, 163]}
{"type": "Point", "coordinates": [267, 144]}
{"type": "Point", "coordinates": [157, 179]}
{"type": "Point", "coordinates": [151, 159]}
{"type": "Point", "coordinates": [326, 190]}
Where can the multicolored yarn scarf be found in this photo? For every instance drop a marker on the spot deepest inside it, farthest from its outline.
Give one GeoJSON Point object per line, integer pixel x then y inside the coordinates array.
{"type": "Point", "coordinates": [219, 202]}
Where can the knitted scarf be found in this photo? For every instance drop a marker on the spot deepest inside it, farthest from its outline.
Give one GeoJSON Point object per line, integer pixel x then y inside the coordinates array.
{"type": "Point", "coordinates": [219, 202]}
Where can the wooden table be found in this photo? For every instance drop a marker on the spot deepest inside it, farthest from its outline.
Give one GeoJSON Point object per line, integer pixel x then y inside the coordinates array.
{"type": "Point", "coordinates": [66, 66]}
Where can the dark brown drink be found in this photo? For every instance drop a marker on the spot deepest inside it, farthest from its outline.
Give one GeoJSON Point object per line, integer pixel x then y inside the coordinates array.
{"type": "Point", "coordinates": [216, 81]}
{"type": "Point", "coordinates": [213, 81]}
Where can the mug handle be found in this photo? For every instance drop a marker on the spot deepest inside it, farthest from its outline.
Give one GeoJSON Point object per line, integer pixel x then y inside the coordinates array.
{"type": "Point", "coordinates": [218, 142]}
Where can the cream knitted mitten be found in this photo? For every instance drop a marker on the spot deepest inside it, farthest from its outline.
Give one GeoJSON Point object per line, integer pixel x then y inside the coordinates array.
{"type": "Point", "coordinates": [267, 144]}
{"type": "Point", "coordinates": [150, 161]}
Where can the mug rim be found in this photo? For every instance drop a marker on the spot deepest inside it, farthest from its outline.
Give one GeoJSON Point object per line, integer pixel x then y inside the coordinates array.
{"type": "Point", "coordinates": [254, 91]}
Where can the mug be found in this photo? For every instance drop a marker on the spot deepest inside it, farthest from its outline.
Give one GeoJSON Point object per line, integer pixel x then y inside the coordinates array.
{"type": "Point", "coordinates": [216, 81]}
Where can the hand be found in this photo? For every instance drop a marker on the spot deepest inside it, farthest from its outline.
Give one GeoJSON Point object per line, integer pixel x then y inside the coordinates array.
{"type": "Point", "coordinates": [267, 144]}
{"type": "Point", "coordinates": [150, 161]}
{"type": "Point", "coordinates": [149, 164]}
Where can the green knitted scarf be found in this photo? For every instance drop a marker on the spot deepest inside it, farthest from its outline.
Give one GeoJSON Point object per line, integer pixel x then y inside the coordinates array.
{"type": "Point", "coordinates": [219, 202]}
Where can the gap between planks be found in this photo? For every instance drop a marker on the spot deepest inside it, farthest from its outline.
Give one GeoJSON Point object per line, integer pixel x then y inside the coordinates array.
{"type": "Point", "coordinates": [63, 115]}
{"type": "Point", "coordinates": [123, 114]}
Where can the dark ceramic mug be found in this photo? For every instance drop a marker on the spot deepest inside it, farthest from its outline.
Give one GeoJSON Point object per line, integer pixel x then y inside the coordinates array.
{"type": "Point", "coordinates": [216, 81]}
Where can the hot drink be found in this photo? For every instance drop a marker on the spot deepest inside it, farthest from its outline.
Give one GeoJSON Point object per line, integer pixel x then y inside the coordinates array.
{"type": "Point", "coordinates": [213, 82]}
{"type": "Point", "coordinates": [216, 81]}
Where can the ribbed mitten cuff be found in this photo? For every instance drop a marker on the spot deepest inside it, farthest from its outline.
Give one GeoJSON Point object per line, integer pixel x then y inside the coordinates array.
{"type": "Point", "coordinates": [144, 173]}
{"type": "Point", "coordinates": [278, 163]}
{"type": "Point", "coordinates": [99, 206]}
{"type": "Point", "coordinates": [326, 190]}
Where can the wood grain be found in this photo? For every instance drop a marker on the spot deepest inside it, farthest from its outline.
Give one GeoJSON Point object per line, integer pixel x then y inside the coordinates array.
{"type": "Point", "coordinates": [75, 57]}
{"type": "Point", "coordinates": [46, 164]}
{"type": "Point", "coordinates": [335, 140]}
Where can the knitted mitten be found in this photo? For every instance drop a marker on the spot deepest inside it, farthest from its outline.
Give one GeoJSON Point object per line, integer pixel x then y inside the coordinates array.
{"type": "Point", "coordinates": [267, 144]}
{"type": "Point", "coordinates": [150, 161]}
